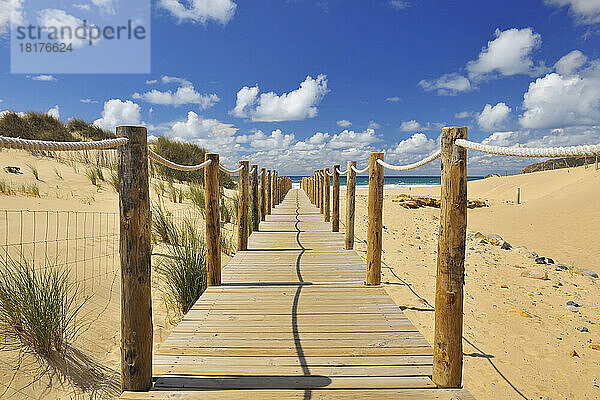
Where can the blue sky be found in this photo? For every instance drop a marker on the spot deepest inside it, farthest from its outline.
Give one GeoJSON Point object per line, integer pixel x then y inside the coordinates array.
{"type": "Point", "coordinates": [300, 84]}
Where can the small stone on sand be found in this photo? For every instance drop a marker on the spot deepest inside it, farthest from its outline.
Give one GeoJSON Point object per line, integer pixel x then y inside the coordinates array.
{"type": "Point", "coordinates": [587, 272]}
{"type": "Point", "coordinates": [535, 274]}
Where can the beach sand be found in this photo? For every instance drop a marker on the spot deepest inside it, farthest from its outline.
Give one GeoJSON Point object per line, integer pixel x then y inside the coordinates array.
{"type": "Point", "coordinates": [518, 334]}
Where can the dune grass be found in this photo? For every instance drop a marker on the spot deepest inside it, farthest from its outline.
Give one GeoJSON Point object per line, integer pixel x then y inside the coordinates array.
{"type": "Point", "coordinates": [38, 308]}
{"type": "Point", "coordinates": [6, 188]}
{"type": "Point", "coordinates": [163, 226]}
{"type": "Point", "coordinates": [183, 270]}
{"type": "Point", "coordinates": [159, 188]}
{"type": "Point", "coordinates": [95, 175]}
{"type": "Point", "coordinates": [34, 171]}
{"type": "Point", "coordinates": [196, 195]}
{"type": "Point", "coordinates": [58, 174]}
{"type": "Point", "coordinates": [114, 180]}
{"type": "Point", "coordinates": [228, 245]}
{"type": "Point", "coordinates": [30, 189]}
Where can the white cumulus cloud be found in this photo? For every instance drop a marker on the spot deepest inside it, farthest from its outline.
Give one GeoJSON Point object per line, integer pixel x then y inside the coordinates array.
{"type": "Point", "coordinates": [200, 11]}
{"type": "Point", "coordinates": [351, 139]}
{"type": "Point", "coordinates": [418, 143]}
{"type": "Point", "coordinates": [394, 99]}
{"type": "Point", "coordinates": [556, 101]}
{"type": "Point", "coordinates": [586, 11]}
{"type": "Point", "coordinates": [185, 94]}
{"type": "Point", "coordinates": [117, 112]}
{"type": "Point", "coordinates": [344, 123]}
{"type": "Point", "coordinates": [570, 63]}
{"type": "Point", "coordinates": [399, 4]}
{"type": "Point", "coordinates": [510, 53]}
{"type": "Point", "coordinates": [447, 85]}
{"type": "Point", "coordinates": [409, 126]}
{"type": "Point", "coordinates": [54, 112]}
{"type": "Point", "coordinates": [494, 118]}
{"type": "Point", "coordinates": [11, 11]}
{"type": "Point", "coordinates": [296, 105]}
{"type": "Point", "coordinates": [196, 127]}
{"type": "Point", "coordinates": [43, 78]}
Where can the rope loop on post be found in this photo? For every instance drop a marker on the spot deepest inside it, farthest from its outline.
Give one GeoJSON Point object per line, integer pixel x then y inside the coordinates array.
{"type": "Point", "coordinates": [548, 152]}
{"type": "Point", "coordinates": [43, 145]}
{"type": "Point", "coordinates": [408, 167]}
{"type": "Point", "coordinates": [360, 171]}
{"type": "Point", "coordinates": [230, 171]}
{"type": "Point", "coordinates": [170, 164]}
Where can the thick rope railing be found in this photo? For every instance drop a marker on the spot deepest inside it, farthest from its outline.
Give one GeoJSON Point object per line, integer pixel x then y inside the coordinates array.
{"type": "Point", "coordinates": [416, 165]}
{"type": "Point", "coordinates": [341, 172]}
{"type": "Point", "coordinates": [42, 145]}
{"type": "Point", "coordinates": [360, 171]}
{"type": "Point", "coordinates": [170, 164]}
{"type": "Point", "coordinates": [230, 171]}
{"type": "Point", "coordinates": [549, 152]}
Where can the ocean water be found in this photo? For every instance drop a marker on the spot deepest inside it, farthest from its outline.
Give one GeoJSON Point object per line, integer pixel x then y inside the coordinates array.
{"type": "Point", "coordinates": [389, 182]}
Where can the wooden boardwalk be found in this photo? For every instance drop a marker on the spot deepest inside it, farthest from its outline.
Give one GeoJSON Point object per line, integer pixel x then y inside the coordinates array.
{"type": "Point", "coordinates": [294, 320]}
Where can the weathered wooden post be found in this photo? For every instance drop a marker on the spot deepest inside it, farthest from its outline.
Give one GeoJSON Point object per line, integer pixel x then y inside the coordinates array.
{"type": "Point", "coordinates": [315, 189]}
{"type": "Point", "coordinates": [350, 205]}
{"type": "Point", "coordinates": [244, 200]}
{"type": "Point", "coordinates": [518, 195]}
{"type": "Point", "coordinates": [327, 190]}
{"type": "Point", "coordinates": [263, 194]}
{"type": "Point", "coordinates": [447, 349]}
{"type": "Point", "coordinates": [375, 227]}
{"type": "Point", "coordinates": [321, 192]}
{"type": "Point", "coordinates": [213, 220]}
{"type": "Point", "coordinates": [335, 212]}
{"type": "Point", "coordinates": [255, 200]}
{"type": "Point", "coordinates": [274, 189]}
{"type": "Point", "coordinates": [268, 192]}
{"type": "Point", "coordinates": [135, 249]}
{"type": "Point", "coordinates": [275, 196]}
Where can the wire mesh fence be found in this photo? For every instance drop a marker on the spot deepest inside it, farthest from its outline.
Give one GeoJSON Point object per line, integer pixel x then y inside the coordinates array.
{"type": "Point", "coordinates": [86, 243]}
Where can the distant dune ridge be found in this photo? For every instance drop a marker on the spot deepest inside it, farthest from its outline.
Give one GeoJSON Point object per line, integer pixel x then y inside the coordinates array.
{"type": "Point", "coordinates": [558, 163]}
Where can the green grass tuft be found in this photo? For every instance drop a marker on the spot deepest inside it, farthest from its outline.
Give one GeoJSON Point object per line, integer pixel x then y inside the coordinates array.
{"type": "Point", "coordinates": [163, 226]}
{"type": "Point", "coordinates": [30, 189]}
{"type": "Point", "coordinates": [183, 271]}
{"type": "Point", "coordinates": [196, 195]}
{"type": "Point", "coordinates": [38, 308]}
{"type": "Point", "coordinates": [6, 188]}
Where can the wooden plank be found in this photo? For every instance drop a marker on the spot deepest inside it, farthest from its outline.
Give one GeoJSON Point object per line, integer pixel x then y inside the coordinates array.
{"type": "Point", "coordinates": [217, 369]}
{"type": "Point", "coordinates": [318, 394]}
{"type": "Point", "coordinates": [292, 382]}
{"type": "Point", "coordinates": [295, 361]}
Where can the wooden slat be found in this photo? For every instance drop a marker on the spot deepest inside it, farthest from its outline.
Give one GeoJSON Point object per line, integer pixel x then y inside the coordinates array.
{"type": "Point", "coordinates": [293, 319]}
{"type": "Point", "coordinates": [319, 394]}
